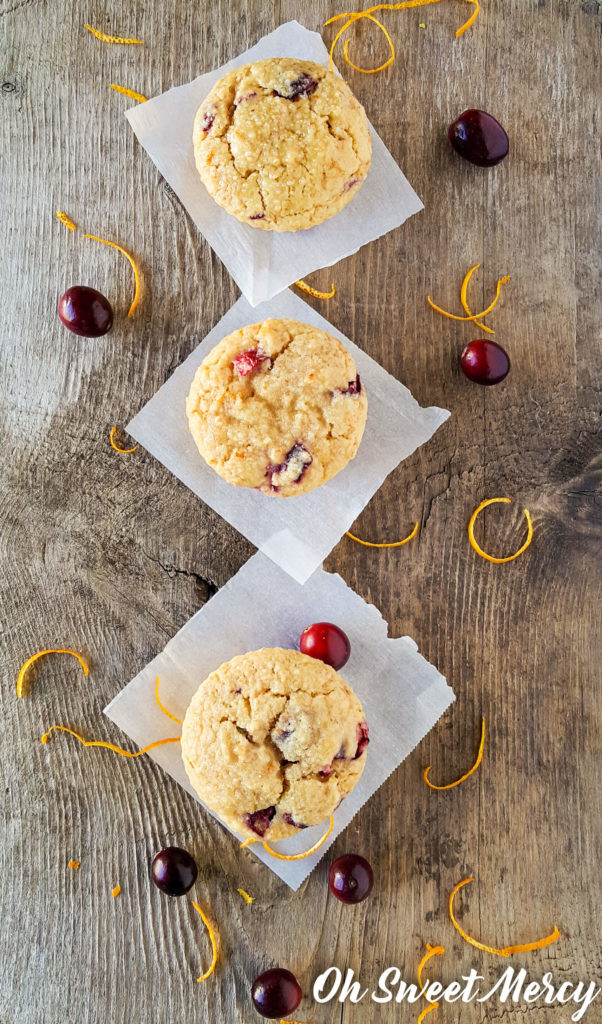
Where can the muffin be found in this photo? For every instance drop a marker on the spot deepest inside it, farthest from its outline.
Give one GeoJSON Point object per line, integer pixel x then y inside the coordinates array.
{"type": "Point", "coordinates": [278, 406]}
{"type": "Point", "coordinates": [282, 144]}
{"type": "Point", "coordinates": [272, 741]}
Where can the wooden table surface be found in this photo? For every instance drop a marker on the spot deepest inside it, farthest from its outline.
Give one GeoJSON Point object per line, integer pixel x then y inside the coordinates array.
{"type": "Point", "coordinates": [110, 554]}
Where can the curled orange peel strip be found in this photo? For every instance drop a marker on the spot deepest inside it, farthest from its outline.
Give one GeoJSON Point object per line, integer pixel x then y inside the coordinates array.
{"type": "Point", "coordinates": [479, 550]}
{"type": "Point", "coordinates": [39, 654]}
{"type": "Point", "coordinates": [113, 39]}
{"type": "Point", "coordinates": [507, 950]}
{"type": "Point", "coordinates": [353, 16]}
{"type": "Point", "coordinates": [130, 92]}
{"type": "Point", "coordinates": [115, 892]}
{"type": "Point", "coordinates": [430, 952]}
{"type": "Point", "coordinates": [474, 317]}
{"type": "Point", "coordinates": [162, 706]}
{"type": "Point", "coordinates": [427, 1009]}
{"type": "Point", "coordinates": [64, 219]}
{"type": "Point", "coordinates": [392, 544]}
{"type": "Point", "coordinates": [245, 896]}
{"type": "Point", "coordinates": [464, 299]}
{"type": "Point", "coordinates": [108, 746]}
{"type": "Point", "coordinates": [451, 785]}
{"type": "Point", "coordinates": [133, 264]}
{"type": "Point", "coordinates": [293, 856]}
{"type": "Point", "coordinates": [73, 864]}
{"type": "Point", "coordinates": [211, 933]}
{"type": "Point", "coordinates": [122, 451]}
{"type": "Point", "coordinates": [314, 291]}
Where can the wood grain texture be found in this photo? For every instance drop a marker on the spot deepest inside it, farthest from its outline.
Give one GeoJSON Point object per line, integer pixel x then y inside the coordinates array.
{"type": "Point", "coordinates": [110, 554]}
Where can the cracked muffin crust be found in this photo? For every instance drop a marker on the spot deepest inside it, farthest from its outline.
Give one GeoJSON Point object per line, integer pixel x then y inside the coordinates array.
{"type": "Point", "coordinates": [272, 741]}
{"type": "Point", "coordinates": [282, 144]}
{"type": "Point", "coordinates": [278, 406]}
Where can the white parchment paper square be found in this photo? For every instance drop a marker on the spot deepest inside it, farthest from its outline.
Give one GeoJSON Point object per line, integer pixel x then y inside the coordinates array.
{"type": "Point", "coordinates": [298, 533]}
{"type": "Point", "coordinates": [402, 694]}
{"type": "Point", "coordinates": [264, 262]}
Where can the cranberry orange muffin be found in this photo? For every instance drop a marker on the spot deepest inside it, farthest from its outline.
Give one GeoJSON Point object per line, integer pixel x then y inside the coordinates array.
{"type": "Point", "coordinates": [278, 406]}
{"type": "Point", "coordinates": [282, 144]}
{"type": "Point", "coordinates": [272, 741]}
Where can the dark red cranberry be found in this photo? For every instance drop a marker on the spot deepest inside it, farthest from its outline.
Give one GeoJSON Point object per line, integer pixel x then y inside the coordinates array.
{"type": "Point", "coordinates": [208, 119]}
{"type": "Point", "coordinates": [326, 642]}
{"type": "Point", "coordinates": [174, 871]}
{"type": "Point", "coordinates": [350, 878]}
{"type": "Point", "coordinates": [362, 739]}
{"type": "Point", "coordinates": [354, 387]}
{"type": "Point", "coordinates": [485, 362]}
{"type": "Point", "coordinates": [245, 362]}
{"type": "Point", "coordinates": [302, 86]}
{"type": "Point", "coordinates": [479, 138]}
{"type": "Point", "coordinates": [276, 993]}
{"type": "Point", "coordinates": [292, 469]}
{"type": "Point", "coordinates": [259, 821]}
{"type": "Point", "coordinates": [85, 311]}
{"type": "Point", "coordinates": [288, 818]}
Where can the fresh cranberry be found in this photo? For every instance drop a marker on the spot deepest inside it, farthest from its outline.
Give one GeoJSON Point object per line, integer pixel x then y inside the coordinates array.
{"type": "Point", "coordinates": [350, 878]}
{"type": "Point", "coordinates": [485, 362]}
{"type": "Point", "coordinates": [362, 739]}
{"type": "Point", "coordinates": [174, 871]}
{"type": "Point", "coordinates": [327, 643]}
{"type": "Point", "coordinates": [479, 138]}
{"type": "Point", "coordinates": [85, 311]}
{"type": "Point", "coordinates": [276, 993]}
{"type": "Point", "coordinates": [245, 362]}
{"type": "Point", "coordinates": [259, 821]}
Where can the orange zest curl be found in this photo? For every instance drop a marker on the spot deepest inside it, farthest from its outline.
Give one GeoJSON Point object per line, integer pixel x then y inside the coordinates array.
{"type": "Point", "coordinates": [248, 899]}
{"type": "Point", "coordinates": [108, 746]}
{"type": "Point", "coordinates": [430, 952]}
{"type": "Point", "coordinates": [474, 317]}
{"type": "Point", "coordinates": [479, 550]}
{"type": "Point", "coordinates": [39, 654]}
{"type": "Point", "coordinates": [113, 39]}
{"type": "Point", "coordinates": [115, 892]}
{"type": "Point", "coordinates": [507, 950]}
{"type": "Point", "coordinates": [130, 92]}
{"type": "Point", "coordinates": [122, 451]}
{"type": "Point", "coordinates": [427, 1009]}
{"type": "Point", "coordinates": [293, 856]}
{"type": "Point", "coordinates": [163, 708]}
{"type": "Point", "coordinates": [353, 16]}
{"type": "Point", "coordinates": [134, 267]}
{"type": "Point", "coordinates": [464, 298]}
{"type": "Point", "coordinates": [211, 967]}
{"type": "Point", "coordinates": [392, 544]}
{"type": "Point", "coordinates": [451, 785]}
{"type": "Point", "coordinates": [73, 864]}
{"type": "Point", "coordinates": [314, 291]}
{"type": "Point", "coordinates": [64, 219]}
